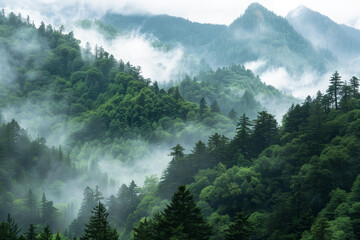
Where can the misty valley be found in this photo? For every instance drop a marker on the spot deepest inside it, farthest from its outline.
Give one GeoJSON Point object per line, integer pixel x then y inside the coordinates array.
{"type": "Point", "coordinates": [137, 126]}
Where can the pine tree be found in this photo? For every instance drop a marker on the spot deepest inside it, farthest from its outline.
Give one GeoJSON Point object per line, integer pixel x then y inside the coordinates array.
{"type": "Point", "coordinates": [57, 237]}
{"type": "Point", "coordinates": [215, 107]}
{"type": "Point", "coordinates": [30, 203]}
{"type": "Point", "coordinates": [232, 114]}
{"type": "Point", "coordinates": [144, 231]}
{"type": "Point", "coordinates": [354, 84]}
{"type": "Point", "coordinates": [239, 229]}
{"type": "Point", "coordinates": [98, 227]}
{"type": "Point", "coordinates": [9, 229]}
{"type": "Point", "coordinates": [345, 92]}
{"type": "Point", "coordinates": [46, 234]}
{"type": "Point", "coordinates": [243, 134]}
{"type": "Point", "coordinates": [183, 217]}
{"type": "Point", "coordinates": [203, 106]}
{"type": "Point", "coordinates": [335, 87]}
{"type": "Point", "coordinates": [320, 229]}
{"type": "Point", "coordinates": [30, 235]}
{"type": "Point", "coordinates": [265, 131]}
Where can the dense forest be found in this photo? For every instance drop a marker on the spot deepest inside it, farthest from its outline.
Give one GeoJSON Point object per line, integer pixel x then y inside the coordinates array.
{"type": "Point", "coordinates": [251, 178]}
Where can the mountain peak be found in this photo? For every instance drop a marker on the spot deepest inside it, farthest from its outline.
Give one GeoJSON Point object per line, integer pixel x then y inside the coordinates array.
{"type": "Point", "coordinates": [300, 10]}
{"type": "Point", "coordinates": [253, 7]}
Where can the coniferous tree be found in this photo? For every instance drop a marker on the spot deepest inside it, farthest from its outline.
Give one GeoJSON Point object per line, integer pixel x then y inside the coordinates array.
{"type": "Point", "coordinates": [46, 234]}
{"type": "Point", "coordinates": [265, 131]}
{"type": "Point", "coordinates": [232, 114]}
{"type": "Point", "coordinates": [144, 231]}
{"type": "Point", "coordinates": [335, 88]}
{"type": "Point", "coordinates": [183, 217]}
{"type": "Point", "coordinates": [345, 92]}
{"type": "Point", "coordinates": [9, 229]}
{"type": "Point", "coordinates": [57, 237]}
{"type": "Point", "coordinates": [203, 107]}
{"type": "Point", "coordinates": [98, 227]}
{"type": "Point", "coordinates": [243, 134]}
{"type": "Point", "coordinates": [239, 229]}
{"type": "Point", "coordinates": [31, 235]}
{"type": "Point", "coordinates": [354, 84]}
{"type": "Point", "coordinates": [30, 203]}
{"type": "Point", "coordinates": [215, 107]}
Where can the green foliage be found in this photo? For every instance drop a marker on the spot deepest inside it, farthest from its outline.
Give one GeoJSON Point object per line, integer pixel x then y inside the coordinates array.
{"type": "Point", "coordinates": [98, 227]}
{"type": "Point", "coordinates": [181, 219]}
{"type": "Point", "coordinates": [239, 229]}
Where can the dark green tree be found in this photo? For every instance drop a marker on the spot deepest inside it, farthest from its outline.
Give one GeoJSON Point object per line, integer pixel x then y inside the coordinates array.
{"type": "Point", "coordinates": [232, 114]}
{"type": "Point", "coordinates": [31, 235]}
{"type": "Point", "coordinates": [57, 237]}
{"type": "Point", "coordinates": [183, 217]}
{"type": "Point", "coordinates": [144, 231]}
{"type": "Point", "coordinates": [243, 134]}
{"type": "Point", "coordinates": [46, 234]}
{"type": "Point", "coordinates": [335, 88]}
{"type": "Point", "coordinates": [203, 107]}
{"type": "Point", "coordinates": [354, 84]}
{"type": "Point", "coordinates": [98, 227]}
{"type": "Point", "coordinates": [239, 229]}
{"type": "Point", "coordinates": [265, 131]}
{"type": "Point", "coordinates": [215, 107]}
{"type": "Point", "coordinates": [9, 229]}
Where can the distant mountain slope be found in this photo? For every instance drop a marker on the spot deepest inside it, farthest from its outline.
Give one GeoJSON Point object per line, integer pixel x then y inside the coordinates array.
{"type": "Point", "coordinates": [341, 40]}
{"type": "Point", "coordinates": [257, 34]}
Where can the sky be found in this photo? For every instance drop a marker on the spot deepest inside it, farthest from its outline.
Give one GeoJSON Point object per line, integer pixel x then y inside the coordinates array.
{"type": "Point", "coordinates": [205, 11]}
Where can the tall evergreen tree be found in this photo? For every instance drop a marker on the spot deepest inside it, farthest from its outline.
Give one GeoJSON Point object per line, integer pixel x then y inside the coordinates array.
{"type": "Point", "coordinates": [144, 231]}
{"type": "Point", "coordinates": [203, 107]}
{"type": "Point", "coordinates": [98, 227]}
{"type": "Point", "coordinates": [31, 235]}
{"type": "Point", "coordinates": [239, 229]}
{"type": "Point", "coordinates": [46, 234]}
{"type": "Point", "coordinates": [354, 84]}
{"type": "Point", "coordinates": [265, 131]}
{"type": "Point", "coordinates": [335, 88]}
{"type": "Point", "coordinates": [9, 229]}
{"type": "Point", "coordinates": [215, 107]}
{"type": "Point", "coordinates": [183, 217]}
{"type": "Point", "coordinates": [243, 134]}
{"type": "Point", "coordinates": [232, 114]}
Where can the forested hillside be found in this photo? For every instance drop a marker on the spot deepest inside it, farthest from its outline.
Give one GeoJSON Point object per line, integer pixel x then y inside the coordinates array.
{"type": "Point", "coordinates": [233, 91]}
{"type": "Point", "coordinates": [342, 40]}
{"type": "Point", "coordinates": [257, 34]}
{"type": "Point", "coordinates": [77, 119]}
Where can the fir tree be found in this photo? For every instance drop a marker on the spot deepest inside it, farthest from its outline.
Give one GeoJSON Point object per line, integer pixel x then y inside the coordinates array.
{"type": "Point", "coordinates": [232, 114]}
{"type": "Point", "coordinates": [9, 229]}
{"type": "Point", "coordinates": [183, 217]}
{"type": "Point", "coordinates": [215, 107]}
{"type": "Point", "coordinates": [354, 84]}
{"type": "Point", "coordinates": [144, 231]}
{"type": "Point", "coordinates": [46, 234]}
{"type": "Point", "coordinates": [57, 237]}
{"type": "Point", "coordinates": [335, 87]}
{"type": "Point", "coordinates": [243, 133]}
{"type": "Point", "coordinates": [31, 235]}
{"type": "Point", "coordinates": [203, 106]}
{"type": "Point", "coordinates": [98, 227]}
{"type": "Point", "coordinates": [239, 229]}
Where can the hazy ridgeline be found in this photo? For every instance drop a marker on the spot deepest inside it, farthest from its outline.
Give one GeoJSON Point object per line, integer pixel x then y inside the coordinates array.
{"type": "Point", "coordinates": [78, 125]}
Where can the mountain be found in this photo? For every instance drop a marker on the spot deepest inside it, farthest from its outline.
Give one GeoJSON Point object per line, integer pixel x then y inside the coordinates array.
{"type": "Point", "coordinates": [343, 41]}
{"type": "Point", "coordinates": [257, 34]}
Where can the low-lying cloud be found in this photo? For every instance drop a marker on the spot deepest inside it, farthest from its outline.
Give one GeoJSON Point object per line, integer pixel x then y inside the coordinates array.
{"type": "Point", "coordinates": [156, 63]}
